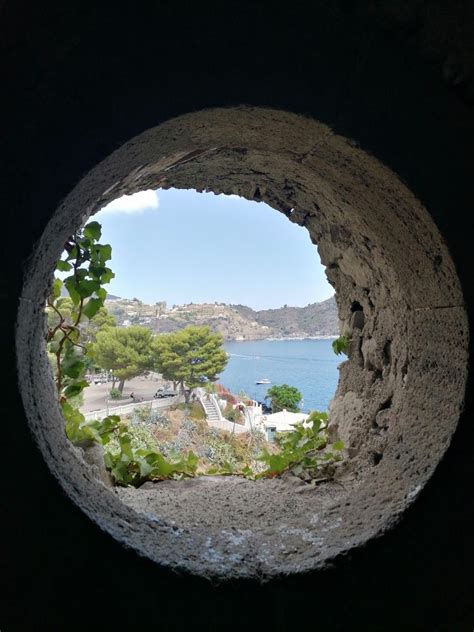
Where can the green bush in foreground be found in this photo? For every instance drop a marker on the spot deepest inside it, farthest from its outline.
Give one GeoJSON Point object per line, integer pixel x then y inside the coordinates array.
{"type": "Point", "coordinates": [131, 464]}
{"type": "Point", "coordinates": [303, 449]}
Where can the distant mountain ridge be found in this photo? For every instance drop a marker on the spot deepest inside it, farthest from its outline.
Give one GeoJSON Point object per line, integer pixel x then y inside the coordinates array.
{"type": "Point", "coordinates": [234, 322]}
{"type": "Point", "coordinates": [316, 319]}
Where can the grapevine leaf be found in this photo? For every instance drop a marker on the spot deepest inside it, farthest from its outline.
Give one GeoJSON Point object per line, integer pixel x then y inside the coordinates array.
{"type": "Point", "coordinates": [56, 290]}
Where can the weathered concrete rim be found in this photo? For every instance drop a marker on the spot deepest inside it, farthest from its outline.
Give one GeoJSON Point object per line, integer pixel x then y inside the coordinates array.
{"type": "Point", "coordinates": [399, 396]}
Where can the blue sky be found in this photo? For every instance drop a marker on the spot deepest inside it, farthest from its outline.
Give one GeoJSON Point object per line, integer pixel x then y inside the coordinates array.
{"type": "Point", "coordinates": [184, 246]}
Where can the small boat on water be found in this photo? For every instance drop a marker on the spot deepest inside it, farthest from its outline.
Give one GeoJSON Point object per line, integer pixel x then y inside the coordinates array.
{"type": "Point", "coordinates": [263, 381]}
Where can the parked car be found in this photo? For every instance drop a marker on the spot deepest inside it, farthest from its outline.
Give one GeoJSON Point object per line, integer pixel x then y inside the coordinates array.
{"type": "Point", "coordinates": [98, 378]}
{"type": "Point", "coordinates": [162, 393]}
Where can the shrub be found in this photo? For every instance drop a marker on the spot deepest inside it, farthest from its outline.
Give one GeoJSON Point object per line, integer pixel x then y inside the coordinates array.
{"type": "Point", "coordinates": [140, 439]}
{"type": "Point", "coordinates": [114, 393]}
{"type": "Point", "coordinates": [220, 452]}
{"type": "Point", "coordinates": [141, 414]}
{"type": "Point", "coordinates": [156, 418]}
{"type": "Point", "coordinates": [196, 411]}
{"type": "Point", "coordinates": [232, 414]}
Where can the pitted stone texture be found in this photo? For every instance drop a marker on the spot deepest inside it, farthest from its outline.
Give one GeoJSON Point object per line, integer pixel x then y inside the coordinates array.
{"type": "Point", "coordinates": [400, 391]}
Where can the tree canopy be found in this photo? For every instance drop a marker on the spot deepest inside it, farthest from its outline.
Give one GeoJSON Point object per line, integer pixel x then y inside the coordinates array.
{"type": "Point", "coordinates": [191, 357]}
{"type": "Point", "coordinates": [125, 351]}
{"type": "Point", "coordinates": [284, 397]}
{"type": "Point", "coordinates": [101, 320]}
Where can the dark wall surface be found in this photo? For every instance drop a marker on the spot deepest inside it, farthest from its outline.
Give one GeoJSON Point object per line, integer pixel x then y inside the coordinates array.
{"type": "Point", "coordinates": [78, 81]}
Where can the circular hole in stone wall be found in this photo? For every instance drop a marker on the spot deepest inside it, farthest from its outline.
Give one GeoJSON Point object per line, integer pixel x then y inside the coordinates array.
{"type": "Point", "coordinates": [400, 392]}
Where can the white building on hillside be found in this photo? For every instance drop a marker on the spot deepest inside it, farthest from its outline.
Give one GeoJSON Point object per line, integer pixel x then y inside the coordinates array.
{"type": "Point", "coordinates": [279, 422]}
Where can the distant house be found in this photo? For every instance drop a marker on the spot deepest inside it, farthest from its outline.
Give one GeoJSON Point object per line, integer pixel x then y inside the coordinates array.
{"type": "Point", "coordinates": [283, 421]}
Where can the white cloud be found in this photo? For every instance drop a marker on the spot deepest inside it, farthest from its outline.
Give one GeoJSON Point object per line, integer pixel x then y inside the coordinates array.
{"type": "Point", "coordinates": [136, 203]}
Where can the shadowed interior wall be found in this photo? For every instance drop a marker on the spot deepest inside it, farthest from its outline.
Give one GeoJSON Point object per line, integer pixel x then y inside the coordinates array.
{"type": "Point", "coordinates": [402, 388]}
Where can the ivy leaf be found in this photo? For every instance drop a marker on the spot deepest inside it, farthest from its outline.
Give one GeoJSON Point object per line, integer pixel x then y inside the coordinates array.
{"type": "Point", "coordinates": [63, 266]}
{"type": "Point", "coordinates": [107, 276]}
{"type": "Point", "coordinates": [338, 445]}
{"type": "Point", "coordinates": [92, 307]}
{"type": "Point", "coordinates": [112, 419]}
{"type": "Point", "coordinates": [96, 271]}
{"type": "Point", "coordinates": [75, 389]}
{"type": "Point", "coordinates": [144, 466]}
{"type": "Point", "coordinates": [104, 252]}
{"type": "Point", "coordinates": [248, 472]}
{"type": "Point", "coordinates": [73, 368]}
{"type": "Point", "coordinates": [92, 231]}
{"type": "Point", "coordinates": [56, 290]}
{"type": "Point", "coordinates": [72, 253]}
{"type": "Point", "coordinates": [86, 287]}
{"type": "Point", "coordinates": [70, 284]}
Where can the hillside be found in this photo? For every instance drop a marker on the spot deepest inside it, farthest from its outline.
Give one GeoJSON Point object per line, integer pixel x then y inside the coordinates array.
{"type": "Point", "coordinates": [234, 322]}
{"type": "Point", "coordinates": [317, 319]}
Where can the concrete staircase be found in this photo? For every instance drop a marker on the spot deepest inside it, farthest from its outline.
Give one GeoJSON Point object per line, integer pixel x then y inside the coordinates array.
{"type": "Point", "coordinates": [211, 409]}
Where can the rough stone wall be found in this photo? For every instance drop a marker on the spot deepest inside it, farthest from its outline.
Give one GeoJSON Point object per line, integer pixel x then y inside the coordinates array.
{"type": "Point", "coordinates": [400, 392]}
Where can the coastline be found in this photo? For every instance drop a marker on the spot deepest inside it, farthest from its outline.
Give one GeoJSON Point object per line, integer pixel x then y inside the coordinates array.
{"type": "Point", "coordinates": [322, 337]}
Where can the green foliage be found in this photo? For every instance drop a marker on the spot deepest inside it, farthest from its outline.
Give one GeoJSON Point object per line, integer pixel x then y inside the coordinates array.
{"type": "Point", "coordinates": [141, 438]}
{"type": "Point", "coordinates": [341, 345]}
{"type": "Point", "coordinates": [100, 321]}
{"type": "Point", "coordinates": [86, 260]}
{"type": "Point", "coordinates": [221, 453]}
{"type": "Point", "coordinates": [124, 351]}
{"type": "Point", "coordinates": [132, 465]}
{"type": "Point", "coordinates": [79, 430]}
{"type": "Point", "coordinates": [114, 393]}
{"type": "Point", "coordinates": [209, 387]}
{"type": "Point", "coordinates": [142, 412]}
{"type": "Point", "coordinates": [302, 449]}
{"type": "Point", "coordinates": [284, 397]}
{"type": "Point", "coordinates": [232, 414]}
{"type": "Point", "coordinates": [191, 357]}
{"type": "Point", "coordinates": [196, 411]}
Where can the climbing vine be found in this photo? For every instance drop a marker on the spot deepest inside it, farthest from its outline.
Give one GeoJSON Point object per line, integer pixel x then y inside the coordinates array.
{"type": "Point", "coordinates": [303, 451]}
{"type": "Point", "coordinates": [80, 295]}
{"type": "Point", "coordinates": [86, 259]}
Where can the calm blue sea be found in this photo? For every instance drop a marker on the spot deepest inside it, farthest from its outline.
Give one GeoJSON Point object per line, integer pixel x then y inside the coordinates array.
{"type": "Point", "coordinates": [310, 365]}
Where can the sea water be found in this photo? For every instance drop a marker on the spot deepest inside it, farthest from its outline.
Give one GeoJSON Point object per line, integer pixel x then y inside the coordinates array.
{"type": "Point", "coordinates": [310, 365]}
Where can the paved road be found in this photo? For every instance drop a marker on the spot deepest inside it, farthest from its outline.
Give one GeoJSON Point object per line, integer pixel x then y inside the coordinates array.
{"type": "Point", "coordinates": [95, 395]}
